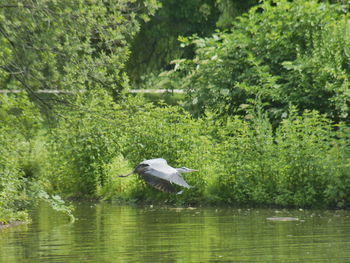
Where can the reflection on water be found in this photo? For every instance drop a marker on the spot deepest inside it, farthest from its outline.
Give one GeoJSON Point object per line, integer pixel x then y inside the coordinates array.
{"type": "Point", "coordinates": [114, 233]}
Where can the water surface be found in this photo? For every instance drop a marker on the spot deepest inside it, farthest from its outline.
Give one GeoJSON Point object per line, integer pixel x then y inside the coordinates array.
{"type": "Point", "coordinates": [113, 233]}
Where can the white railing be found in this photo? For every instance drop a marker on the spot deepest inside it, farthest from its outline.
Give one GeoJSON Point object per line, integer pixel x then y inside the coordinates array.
{"type": "Point", "coordinates": [47, 91]}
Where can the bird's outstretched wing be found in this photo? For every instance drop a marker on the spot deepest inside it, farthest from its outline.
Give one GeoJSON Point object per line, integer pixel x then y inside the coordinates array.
{"type": "Point", "coordinates": [156, 162]}
{"type": "Point", "coordinates": [173, 177]}
{"type": "Point", "coordinates": [158, 183]}
{"type": "Point", "coordinates": [160, 168]}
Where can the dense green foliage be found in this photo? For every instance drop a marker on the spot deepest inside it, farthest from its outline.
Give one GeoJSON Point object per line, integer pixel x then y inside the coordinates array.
{"type": "Point", "coordinates": [304, 162]}
{"type": "Point", "coordinates": [23, 160]}
{"type": "Point", "coordinates": [89, 148]}
{"type": "Point", "coordinates": [284, 53]}
{"type": "Point", "coordinates": [157, 44]}
{"type": "Point", "coordinates": [68, 45]}
{"type": "Point", "coordinates": [293, 166]}
{"type": "Point", "coordinates": [64, 46]}
{"type": "Point", "coordinates": [268, 106]}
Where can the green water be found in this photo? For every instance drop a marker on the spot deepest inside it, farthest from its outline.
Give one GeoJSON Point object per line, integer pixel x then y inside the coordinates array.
{"type": "Point", "coordinates": [113, 233]}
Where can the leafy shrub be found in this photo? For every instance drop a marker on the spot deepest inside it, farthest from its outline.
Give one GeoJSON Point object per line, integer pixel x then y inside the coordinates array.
{"type": "Point", "coordinates": [87, 145]}
{"type": "Point", "coordinates": [169, 133]}
{"type": "Point", "coordinates": [248, 171]}
{"type": "Point", "coordinates": [82, 144]}
{"type": "Point", "coordinates": [18, 126]}
{"type": "Point", "coordinates": [22, 162]}
{"type": "Point", "coordinates": [12, 196]}
{"type": "Point", "coordinates": [304, 142]}
{"type": "Point", "coordinates": [281, 52]}
{"type": "Point", "coordinates": [241, 160]}
{"type": "Point", "coordinates": [303, 163]}
{"type": "Point", "coordinates": [338, 164]}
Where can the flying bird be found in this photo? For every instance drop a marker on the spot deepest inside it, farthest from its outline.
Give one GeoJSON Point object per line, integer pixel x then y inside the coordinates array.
{"type": "Point", "coordinates": [160, 175]}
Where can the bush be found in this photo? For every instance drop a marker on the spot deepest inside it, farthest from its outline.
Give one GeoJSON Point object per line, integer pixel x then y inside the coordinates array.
{"type": "Point", "coordinates": [23, 162]}
{"type": "Point", "coordinates": [12, 194]}
{"type": "Point", "coordinates": [82, 144]}
{"type": "Point", "coordinates": [304, 142]}
{"type": "Point", "coordinates": [303, 163]}
{"type": "Point", "coordinates": [338, 164]}
{"type": "Point", "coordinates": [18, 126]}
{"type": "Point", "coordinates": [169, 133]}
{"type": "Point", "coordinates": [89, 147]}
{"type": "Point", "coordinates": [281, 52]}
{"type": "Point", "coordinates": [247, 161]}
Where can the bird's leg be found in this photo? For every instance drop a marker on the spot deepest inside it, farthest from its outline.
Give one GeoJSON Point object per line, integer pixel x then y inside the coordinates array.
{"type": "Point", "coordinates": [126, 174]}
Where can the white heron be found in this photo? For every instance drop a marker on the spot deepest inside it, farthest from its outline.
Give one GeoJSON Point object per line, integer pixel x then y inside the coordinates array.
{"type": "Point", "coordinates": [160, 175]}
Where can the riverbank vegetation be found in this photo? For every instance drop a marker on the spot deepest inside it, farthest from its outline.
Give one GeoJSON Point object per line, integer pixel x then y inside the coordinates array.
{"type": "Point", "coordinates": [265, 116]}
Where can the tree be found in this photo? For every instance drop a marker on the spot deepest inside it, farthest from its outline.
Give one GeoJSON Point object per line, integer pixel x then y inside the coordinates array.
{"type": "Point", "coordinates": [157, 44]}
{"type": "Point", "coordinates": [68, 45]}
{"type": "Point", "coordinates": [281, 53]}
